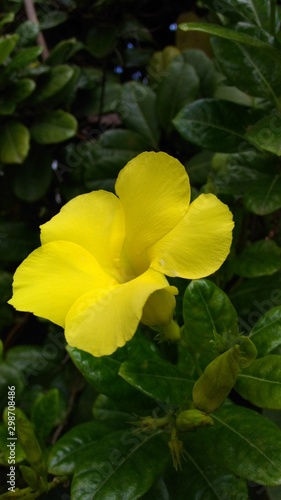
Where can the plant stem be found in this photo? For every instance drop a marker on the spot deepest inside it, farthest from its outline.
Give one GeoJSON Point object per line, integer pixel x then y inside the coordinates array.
{"type": "Point", "coordinates": [32, 16]}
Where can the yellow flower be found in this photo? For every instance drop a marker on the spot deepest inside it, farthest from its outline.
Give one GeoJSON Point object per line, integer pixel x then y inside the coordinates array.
{"type": "Point", "coordinates": [103, 260]}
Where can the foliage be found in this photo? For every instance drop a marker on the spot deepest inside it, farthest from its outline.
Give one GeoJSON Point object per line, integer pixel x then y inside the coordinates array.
{"type": "Point", "coordinates": [196, 419]}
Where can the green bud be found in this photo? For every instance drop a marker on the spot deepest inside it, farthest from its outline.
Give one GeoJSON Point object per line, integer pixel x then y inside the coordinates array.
{"type": "Point", "coordinates": [216, 382]}
{"type": "Point", "coordinates": [191, 419]}
{"type": "Point", "coordinates": [248, 352]}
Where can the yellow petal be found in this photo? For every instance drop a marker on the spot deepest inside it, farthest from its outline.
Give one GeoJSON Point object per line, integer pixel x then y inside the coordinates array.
{"type": "Point", "coordinates": [101, 321]}
{"type": "Point", "coordinates": [53, 277]}
{"type": "Point", "coordinates": [154, 191]}
{"type": "Point", "coordinates": [93, 220]}
{"type": "Point", "coordinates": [199, 244]}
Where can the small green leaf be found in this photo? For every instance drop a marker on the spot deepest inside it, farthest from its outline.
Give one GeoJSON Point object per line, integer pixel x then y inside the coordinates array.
{"type": "Point", "coordinates": [23, 58]}
{"type": "Point", "coordinates": [259, 259]}
{"type": "Point", "coordinates": [213, 124]}
{"type": "Point", "coordinates": [205, 69]}
{"type": "Point", "coordinates": [54, 127]}
{"type": "Point", "coordinates": [260, 383]}
{"type": "Point", "coordinates": [159, 380]}
{"type": "Point", "coordinates": [266, 333]}
{"type": "Point", "coordinates": [245, 442]}
{"type": "Point", "coordinates": [207, 311]}
{"type": "Point", "coordinates": [111, 470]}
{"type": "Point", "coordinates": [20, 90]}
{"type": "Point", "coordinates": [78, 443]}
{"type": "Point", "coordinates": [179, 86]}
{"type": "Point", "coordinates": [14, 142]}
{"type": "Point", "coordinates": [32, 180]}
{"type": "Point", "coordinates": [52, 82]}
{"type": "Point", "coordinates": [63, 51]}
{"type": "Point", "coordinates": [47, 412]}
{"type": "Point", "coordinates": [6, 18]}
{"type": "Point", "coordinates": [137, 110]}
{"type": "Point", "coordinates": [101, 40]}
{"type": "Point", "coordinates": [265, 134]}
{"type": "Point", "coordinates": [264, 197]}
{"type": "Point", "coordinates": [7, 45]}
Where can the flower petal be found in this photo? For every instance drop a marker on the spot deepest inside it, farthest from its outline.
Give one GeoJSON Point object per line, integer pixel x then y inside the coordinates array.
{"type": "Point", "coordinates": [199, 244]}
{"type": "Point", "coordinates": [53, 277]}
{"type": "Point", "coordinates": [154, 191]}
{"type": "Point", "coordinates": [93, 220]}
{"type": "Point", "coordinates": [101, 321]}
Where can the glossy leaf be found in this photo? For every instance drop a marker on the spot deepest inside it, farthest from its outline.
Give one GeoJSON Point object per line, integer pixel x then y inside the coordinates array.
{"type": "Point", "coordinates": [256, 72]}
{"type": "Point", "coordinates": [14, 142]}
{"type": "Point", "coordinates": [159, 380]}
{"type": "Point", "coordinates": [266, 135]}
{"type": "Point", "coordinates": [137, 111]}
{"type": "Point", "coordinates": [48, 409]}
{"type": "Point", "coordinates": [23, 58]}
{"type": "Point", "coordinates": [52, 82]}
{"type": "Point", "coordinates": [259, 259]}
{"type": "Point", "coordinates": [266, 333]}
{"type": "Point", "coordinates": [207, 311]}
{"type": "Point", "coordinates": [76, 444]}
{"type": "Point", "coordinates": [241, 438]}
{"type": "Point", "coordinates": [205, 69]}
{"type": "Point", "coordinates": [111, 470]}
{"type": "Point", "coordinates": [213, 124]}
{"type": "Point", "coordinates": [179, 85]}
{"type": "Point", "coordinates": [260, 383]}
{"type": "Point", "coordinates": [203, 479]}
{"type": "Point", "coordinates": [264, 197]}
{"type": "Point", "coordinates": [63, 51]}
{"type": "Point", "coordinates": [7, 45]}
{"type": "Point", "coordinates": [54, 127]}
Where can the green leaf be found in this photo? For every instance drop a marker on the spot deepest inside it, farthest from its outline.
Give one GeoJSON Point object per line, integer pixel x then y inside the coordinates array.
{"type": "Point", "coordinates": [101, 373]}
{"type": "Point", "coordinates": [111, 471]}
{"type": "Point", "coordinates": [47, 413]}
{"type": "Point", "coordinates": [245, 442]}
{"type": "Point", "coordinates": [213, 124]}
{"type": "Point", "coordinates": [108, 412]}
{"type": "Point", "coordinates": [55, 126]}
{"type": "Point", "coordinates": [29, 444]}
{"type": "Point", "coordinates": [20, 90]}
{"type": "Point", "coordinates": [265, 134]}
{"type": "Point", "coordinates": [78, 443]}
{"type": "Point", "coordinates": [14, 142]}
{"type": "Point", "coordinates": [9, 375]}
{"type": "Point", "coordinates": [255, 71]}
{"type": "Point", "coordinates": [63, 51]}
{"type": "Point", "coordinates": [264, 197]}
{"type": "Point", "coordinates": [52, 82]}
{"type": "Point", "coordinates": [260, 258]}
{"type": "Point", "coordinates": [179, 86]}
{"type": "Point", "coordinates": [16, 241]}
{"type": "Point", "coordinates": [204, 68]}
{"type": "Point", "coordinates": [198, 167]}
{"type": "Point", "coordinates": [254, 297]}
{"type": "Point", "coordinates": [230, 34]}
{"type": "Point", "coordinates": [28, 32]}
{"type": "Point", "coordinates": [137, 110]}
{"type": "Point", "coordinates": [6, 18]}
{"type": "Point", "coordinates": [158, 379]}
{"type": "Point", "coordinates": [101, 40]}
{"type": "Point", "coordinates": [30, 360]}
{"type": "Point", "coordinates": [260, 383]}
{"type": "Point", "coordinates": [256, 12]}
{"type": "Point", "coordinates": [203, 479]}
{"type": "Point", "coordinates": [266, 333]}
{"type": "Point", "coordinates": [53, 18]}
{"type": "Point", "coordinates": [32, 180]}
{"type": "Point", "coordinates": [105, 157]}
{"type": "Point", "coordinates": [207, 311]}
{"type": "Point", "coordinates": [23, 58]}
{"type": "Point", "coordinates": [7, 45]}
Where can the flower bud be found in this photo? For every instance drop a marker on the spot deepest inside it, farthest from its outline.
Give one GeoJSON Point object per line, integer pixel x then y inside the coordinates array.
{"type": "Point", "coordinates": [191, 419]}
{"type": "Point", "coordinates": [159, 307]}
{"type": "Point", "coordinates": [216, 382]}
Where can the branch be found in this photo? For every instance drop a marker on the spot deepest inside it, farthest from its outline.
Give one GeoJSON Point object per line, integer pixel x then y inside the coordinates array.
{"type": "Point", "coordinates": [32, 16]}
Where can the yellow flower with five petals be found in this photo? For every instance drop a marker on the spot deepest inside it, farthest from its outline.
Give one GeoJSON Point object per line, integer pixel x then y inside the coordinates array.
{"type": "Point", "coordinates": [103, 262]}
